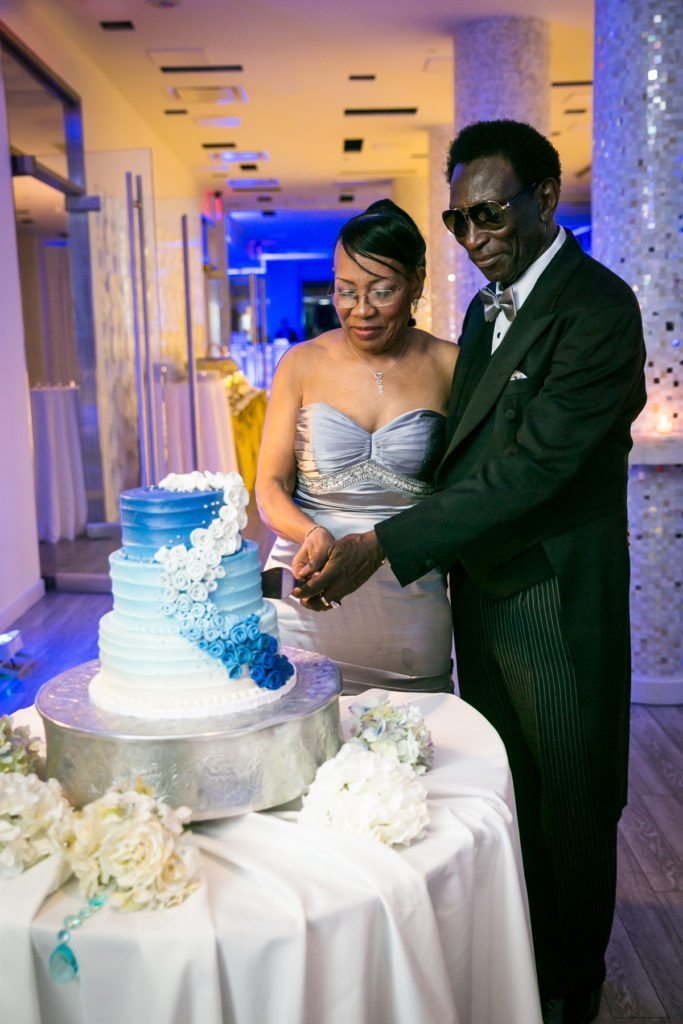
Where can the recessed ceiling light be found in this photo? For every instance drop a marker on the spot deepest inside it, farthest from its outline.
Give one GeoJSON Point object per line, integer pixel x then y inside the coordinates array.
{"type": "Point", "coordinates": [381, 111]}
{"type": "Point", "coordinates": [565, 85]}
{"type": "Point", "coordinates": [194, 69]}
{"type": "Point", "coordinates": [353, 145]}
{"type": "Point", "coordinates": [177, 110]}
{"type": "Point", "coordinates": [346, 197]}
{"type": "Point", "coordinates": [218, 145]}
{"type": "Point", "coordinates": [217, 122]}
{"type": "Point", "coordinates": [220, 94]}
{"type": "Point", "coordinates": [253, 184]}
{"type": "Point", "coordinates": [362, 78]}
{"type": "Point", "coordinates": [117, 26]}
{"type": "Point", "coordinates": [249, 167]}
{"type": "Point", "coordinates": [240, 156]}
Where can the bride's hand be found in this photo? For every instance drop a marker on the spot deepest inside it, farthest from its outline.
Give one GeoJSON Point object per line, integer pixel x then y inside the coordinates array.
{"type": "Point", "coordinates": [313, 553]}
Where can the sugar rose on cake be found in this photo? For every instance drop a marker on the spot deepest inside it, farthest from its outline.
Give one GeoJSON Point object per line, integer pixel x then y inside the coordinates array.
{"type": "Point", "coordinates": [190, 633]}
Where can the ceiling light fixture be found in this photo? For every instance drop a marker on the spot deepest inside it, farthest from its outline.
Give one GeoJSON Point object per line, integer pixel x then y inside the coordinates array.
{"type": "Point", "coordinates": [117, 26]}
{"type": "Point", "coordinates": [381, 111]}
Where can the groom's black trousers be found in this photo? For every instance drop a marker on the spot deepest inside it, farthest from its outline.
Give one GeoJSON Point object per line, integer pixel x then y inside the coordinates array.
{"type": "Point", "coordinates": [515, 667]}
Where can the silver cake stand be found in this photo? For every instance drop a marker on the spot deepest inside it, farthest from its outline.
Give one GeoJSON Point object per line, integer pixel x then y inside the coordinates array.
{"type": "Point", "coordinates": [219, 765]}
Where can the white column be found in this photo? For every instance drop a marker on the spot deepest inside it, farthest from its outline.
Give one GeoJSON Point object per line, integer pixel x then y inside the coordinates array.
{"type": "Point", "coordinates": [412, 195]}
{"type": "Point", "coordinates": [502, 70]}
{"type": "Point", "coordinates": [441, 255]}
{"type": "Point", "coordinates": [638, 232]}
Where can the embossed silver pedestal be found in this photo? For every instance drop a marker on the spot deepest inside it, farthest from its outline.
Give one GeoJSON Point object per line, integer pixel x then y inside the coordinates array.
{"type": "Point", "coordinates": [218, 766]}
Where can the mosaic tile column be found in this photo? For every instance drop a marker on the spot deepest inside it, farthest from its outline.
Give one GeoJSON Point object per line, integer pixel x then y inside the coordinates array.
{"type": "Point", "coordinates": [515, 85]}
{"type": "Point", "coordinates": [638, 232]}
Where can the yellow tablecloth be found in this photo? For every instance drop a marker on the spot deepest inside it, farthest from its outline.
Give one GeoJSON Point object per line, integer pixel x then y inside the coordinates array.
{"type": "Point", "coordinates": [247, 427]}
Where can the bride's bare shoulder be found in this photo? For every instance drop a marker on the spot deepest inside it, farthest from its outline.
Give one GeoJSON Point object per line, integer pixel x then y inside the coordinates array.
{"type": "Point", "coordinates": [439, 348]}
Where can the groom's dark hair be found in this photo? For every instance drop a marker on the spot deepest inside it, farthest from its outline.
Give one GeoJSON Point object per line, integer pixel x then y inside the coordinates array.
{"type": "Point", "coordinates": [530, 154]}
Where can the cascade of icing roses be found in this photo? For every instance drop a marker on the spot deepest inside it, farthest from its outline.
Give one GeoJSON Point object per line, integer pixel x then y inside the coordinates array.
{"type": "Point", "coordinates": [190, 576]}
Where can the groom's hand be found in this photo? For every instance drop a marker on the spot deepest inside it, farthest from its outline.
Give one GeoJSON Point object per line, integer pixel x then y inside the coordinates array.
{"type": "Point", "coordinates": [351, 562]}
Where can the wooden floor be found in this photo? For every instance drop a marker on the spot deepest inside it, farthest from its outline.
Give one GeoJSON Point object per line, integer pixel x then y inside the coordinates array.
{"type": "Point", "coordinates": [645, 958]}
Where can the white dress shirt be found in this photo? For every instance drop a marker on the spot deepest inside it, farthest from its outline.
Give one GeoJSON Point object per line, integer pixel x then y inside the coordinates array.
{"type": "Point", "coordinates": [521, 289]}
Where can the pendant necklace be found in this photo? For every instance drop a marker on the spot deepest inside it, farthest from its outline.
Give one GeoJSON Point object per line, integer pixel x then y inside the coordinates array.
{"type": "Point", "coordinates": [379, 374]}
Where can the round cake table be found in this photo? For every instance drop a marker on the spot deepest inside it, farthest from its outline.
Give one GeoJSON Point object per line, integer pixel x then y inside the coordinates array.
{"type": "Point", "coordinates": [297, 925]}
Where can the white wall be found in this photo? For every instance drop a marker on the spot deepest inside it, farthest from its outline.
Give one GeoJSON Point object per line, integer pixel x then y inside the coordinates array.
{"type": "Point", "coordinates": [20, 583]}
{"type": "Point", "coordinates": [109, 123]}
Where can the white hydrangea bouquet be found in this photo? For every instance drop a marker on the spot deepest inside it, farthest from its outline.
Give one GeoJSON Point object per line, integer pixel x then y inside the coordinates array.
{"type": "Point", "coordinates": [35, 819]}
{"type": "Point", "coordinates": [371, 788]}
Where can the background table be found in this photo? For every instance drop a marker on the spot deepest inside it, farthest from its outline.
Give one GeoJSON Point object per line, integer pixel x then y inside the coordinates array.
{"type": "Point", "coordinates": [217, 445]}
{"type": "Point", "coordinates": [58, 463]}
{"type": "Point", "coordinates": [297, 925]}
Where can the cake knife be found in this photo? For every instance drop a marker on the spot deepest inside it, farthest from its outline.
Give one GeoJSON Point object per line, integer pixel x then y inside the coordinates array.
{"type": "Point", "coordinates": [277, 583]}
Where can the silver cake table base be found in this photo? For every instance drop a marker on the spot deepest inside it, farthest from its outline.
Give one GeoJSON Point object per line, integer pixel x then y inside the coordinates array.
{"type": "Point", "coordinates": [219, 765]}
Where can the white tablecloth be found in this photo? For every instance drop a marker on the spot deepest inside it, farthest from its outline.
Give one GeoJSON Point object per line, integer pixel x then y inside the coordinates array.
{"type": "Point", "coordinates": [297, 925]}
{"type": "Point", "coordinates": [217, 446]}
{"type": "Point", "coordinates": [58, 463]}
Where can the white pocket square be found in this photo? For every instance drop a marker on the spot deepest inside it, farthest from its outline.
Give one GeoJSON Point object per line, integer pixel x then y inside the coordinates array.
{"type": "Point", "coordinates": [518, 375]}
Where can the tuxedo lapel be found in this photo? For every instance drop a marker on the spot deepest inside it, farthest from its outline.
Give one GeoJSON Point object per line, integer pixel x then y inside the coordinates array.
{"type": "Point", "coordinates": [531, 322]}
{"type": "Point", "coordinates": [475, 349]}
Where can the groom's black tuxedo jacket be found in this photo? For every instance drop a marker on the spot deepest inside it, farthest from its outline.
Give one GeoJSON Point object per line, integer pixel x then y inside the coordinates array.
{"type": "Point", "coordinates": [533, 480]}
{"type": "Point", "coordinates": [528, 459]}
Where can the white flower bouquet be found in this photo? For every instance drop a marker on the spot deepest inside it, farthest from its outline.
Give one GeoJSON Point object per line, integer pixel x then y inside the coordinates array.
{"type": "Point", "coordinates": [126, 844]}
{"type": "Point", "coordinates": [35, 819]}
{"type": "Point", "coordinates": [397, 729]}
{"type": "Point", "coordinates": [368, 794]}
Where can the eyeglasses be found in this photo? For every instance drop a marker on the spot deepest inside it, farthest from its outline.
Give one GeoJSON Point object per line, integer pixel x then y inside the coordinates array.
{"type": "Point", "coordinates": [347, 298]}
{"type": "Point", "coordinates": [488, 216]}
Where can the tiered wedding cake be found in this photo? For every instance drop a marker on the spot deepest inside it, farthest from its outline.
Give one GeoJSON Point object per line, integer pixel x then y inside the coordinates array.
{"type": "Point", "coordinates": [190, 634]}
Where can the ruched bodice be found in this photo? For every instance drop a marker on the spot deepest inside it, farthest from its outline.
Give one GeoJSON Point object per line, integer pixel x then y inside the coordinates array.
{"type": "Point", "coordinates": [348, 479]}
{"type": "Point", "coordinates": [343, 467]}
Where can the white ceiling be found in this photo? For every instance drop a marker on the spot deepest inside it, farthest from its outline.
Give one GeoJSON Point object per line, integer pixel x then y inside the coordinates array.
{"type": "Point", "coordinates": [290, 97]}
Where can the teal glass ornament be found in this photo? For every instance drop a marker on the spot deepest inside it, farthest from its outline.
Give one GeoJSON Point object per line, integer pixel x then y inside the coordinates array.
{"type": "Point", "coordinates": [63, 964]}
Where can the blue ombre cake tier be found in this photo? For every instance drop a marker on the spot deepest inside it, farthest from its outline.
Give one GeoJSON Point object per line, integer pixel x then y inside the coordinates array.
{"type": "Point", "coordinates": [152, 518]}
{"type": "Point", "coordinates": [137, 590]}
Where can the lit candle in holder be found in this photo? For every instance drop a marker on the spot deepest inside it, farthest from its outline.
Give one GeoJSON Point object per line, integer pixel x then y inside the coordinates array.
{"type": "Point", "coordinates": [664, 424]}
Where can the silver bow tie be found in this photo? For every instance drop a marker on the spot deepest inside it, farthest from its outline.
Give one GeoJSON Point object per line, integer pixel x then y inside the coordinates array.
{"type": "Point", "coordinates": [495, 301]}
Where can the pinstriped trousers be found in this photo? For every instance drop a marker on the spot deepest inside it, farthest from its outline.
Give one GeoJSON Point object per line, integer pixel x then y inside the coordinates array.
{"type": "Point", "coordinates": [514, 666]}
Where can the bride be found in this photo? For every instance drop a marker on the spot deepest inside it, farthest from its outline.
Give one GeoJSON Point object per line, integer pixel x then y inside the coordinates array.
{"type": "Point", "coordinates": [354, 431]}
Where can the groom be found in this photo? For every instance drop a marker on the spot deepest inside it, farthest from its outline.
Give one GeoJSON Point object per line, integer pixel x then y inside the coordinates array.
{"type": "Point", "coordinates": [529, 518]}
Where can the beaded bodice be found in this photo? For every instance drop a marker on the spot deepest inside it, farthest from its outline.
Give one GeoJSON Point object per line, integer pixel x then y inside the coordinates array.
{"type": "Point", "coordinates": [343, 467]}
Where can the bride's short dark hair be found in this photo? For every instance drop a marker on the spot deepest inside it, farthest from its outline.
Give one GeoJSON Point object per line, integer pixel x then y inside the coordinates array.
{"type": "Point", "coordinates": [385, 231]}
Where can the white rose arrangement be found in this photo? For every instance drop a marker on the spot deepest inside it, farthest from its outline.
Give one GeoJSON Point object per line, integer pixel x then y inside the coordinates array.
{"type": "Point", "coordinates": [126, 844]}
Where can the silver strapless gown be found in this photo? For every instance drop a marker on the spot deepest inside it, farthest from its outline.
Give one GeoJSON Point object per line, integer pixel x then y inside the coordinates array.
{"type": "Point", "coordinates": [347, 480]}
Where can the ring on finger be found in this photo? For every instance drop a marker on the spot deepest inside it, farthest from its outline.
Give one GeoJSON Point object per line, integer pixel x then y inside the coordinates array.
{"type": "Point", "coordinates": [325, 603]}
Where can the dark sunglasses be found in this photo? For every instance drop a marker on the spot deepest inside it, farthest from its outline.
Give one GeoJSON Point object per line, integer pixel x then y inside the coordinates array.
{"type": "Point", "coordinates": [488, 216]}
